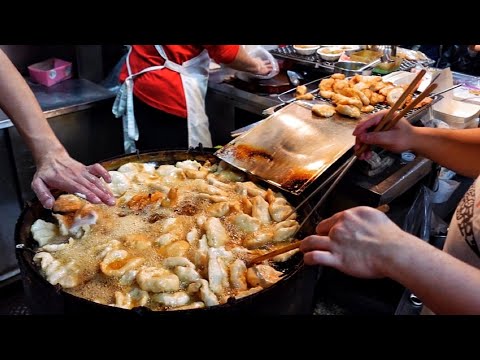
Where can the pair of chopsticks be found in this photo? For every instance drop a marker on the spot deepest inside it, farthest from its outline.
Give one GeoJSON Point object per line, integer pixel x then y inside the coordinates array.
{"type": "Point", "coordinates": [388, 121]}
{"type": "Point", "coordinates": [295, 245]}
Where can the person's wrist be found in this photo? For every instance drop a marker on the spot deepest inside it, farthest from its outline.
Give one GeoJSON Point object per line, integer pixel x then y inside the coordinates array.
{"type": "Point", "coordinates": [394, 255]}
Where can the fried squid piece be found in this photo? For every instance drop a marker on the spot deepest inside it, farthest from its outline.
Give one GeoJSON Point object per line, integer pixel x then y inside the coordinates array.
{"type": "Point", "coordinates": [238, 275]}
{"type": "Point", "coordinates": [216, 233]}
{"type": "Point", "coordinates": [188, 164]}
{"type": "Point", "coordinates": [323, 110]}
{"type": "Point", "coordinates": [260, 210]}
{"type": "Point", "coordinates": [157, 280]}
{"type": "Point", "coordinates": [250, 189]}
{"type": "Point", "coordinates": [117, 262]}
{"type": "Point", "coordinates": [284, 230]}
{"type": "Point", "coordinates": [203, 187]}
{"type": "Point", "coordinates": [56, 247]}
{"type": "Point", "coordinates": [174, 261]}
{"type": "Point", "coordinates": [349, 110]}
{"type": "Point", "coordinates": [132, 169]}
{"type": "Point", "coordinates": [206, 295]}
{"type": "Point", "coordinates": [65, 275]}
{"type": "Point", "coordinates": [68, 203]}
{"type": "Point", "coordinates": [120, 183]}
{"type": "Point", "coordinates": [212, 180]}
{"type": "Point", "coordinates": [137, 241]}
{"type": "Point", "coordinates": [44, 232]}
{"type": "Point", "coordinates": [133, 298]}
{"type": "Point", "coordinates": [246, 223]}
{"type": "Point", "coordinates": [77, 224]}
{"type": "Point", "coordinates": [279, 209]}
{"type": "Point", "coordinates": [200, 257]}
{"type": "Point", "coordinates": [258, 239]}
{"type": "Point", "coordinates": [128, 278]}
{"type": "Point", "coordinates": [186, 274]}
{"type": "Point", "coordinates": [179, 298]}
{"type": "Point", "coordinates": [218, 209]}
{"type": "Point", "coordinates": [262, 275]}
{"type": "Point", "coordinates": [217, 272]}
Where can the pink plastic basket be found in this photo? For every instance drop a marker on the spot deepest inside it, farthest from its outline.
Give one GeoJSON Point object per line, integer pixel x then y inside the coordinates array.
{"type": "Point", "coordinates": [50, 71]}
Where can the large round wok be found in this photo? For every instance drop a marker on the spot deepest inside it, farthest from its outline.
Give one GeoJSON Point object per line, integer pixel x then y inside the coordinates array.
{"type": "Point", "coordinates": [293, 294]}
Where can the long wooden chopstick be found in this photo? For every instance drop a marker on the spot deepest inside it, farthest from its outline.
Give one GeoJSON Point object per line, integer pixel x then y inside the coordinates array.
{"type": "Point", "coordinates": [387, 117]}
{"type": "Point", "coordinates": [294, 245]}
{"type": "Point", "coordinates": [410, 106]}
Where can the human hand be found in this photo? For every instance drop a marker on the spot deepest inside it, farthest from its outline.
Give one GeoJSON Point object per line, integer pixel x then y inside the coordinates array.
{"type": "Point", "coordinates": [397, 139]}
{"type": "Point", "coordinates": [60, 171]}
{"type": "Point", "coordinates": [357, 241]}
{"type": "Point", "coordinates": [264, 67]}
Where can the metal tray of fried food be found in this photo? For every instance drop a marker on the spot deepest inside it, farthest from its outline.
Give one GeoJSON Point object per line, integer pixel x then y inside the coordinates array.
{"type": "Point", "coordinates": [291, 148]}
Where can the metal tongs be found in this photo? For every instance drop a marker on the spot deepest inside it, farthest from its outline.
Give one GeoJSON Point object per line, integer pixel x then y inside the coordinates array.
{"type": "Point", "coordinates": [388, 121]}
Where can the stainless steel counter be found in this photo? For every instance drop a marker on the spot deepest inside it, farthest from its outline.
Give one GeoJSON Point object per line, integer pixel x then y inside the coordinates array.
{"type": "Point", "coordinates": [65, 97]}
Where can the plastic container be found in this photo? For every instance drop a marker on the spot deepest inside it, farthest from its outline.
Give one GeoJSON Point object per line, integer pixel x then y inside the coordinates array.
{"type": "Point", "coordinates": [50, 71]}
{"type": "Point", "coordinates": [365, 56]}
{"type": "Point", "coordinates": [457, 114]}
{"type": "Point", "coordinates": [388, 67]}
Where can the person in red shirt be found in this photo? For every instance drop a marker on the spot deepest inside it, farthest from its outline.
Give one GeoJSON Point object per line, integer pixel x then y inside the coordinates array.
{"type": "Point", "coordinates": [162, 98]}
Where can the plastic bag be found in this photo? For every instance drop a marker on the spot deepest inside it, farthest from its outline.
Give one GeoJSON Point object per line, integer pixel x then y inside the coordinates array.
{"type": "Point", "coordinates": [419, 216]}
{"type": "Point", "coordinates": [258, 51]}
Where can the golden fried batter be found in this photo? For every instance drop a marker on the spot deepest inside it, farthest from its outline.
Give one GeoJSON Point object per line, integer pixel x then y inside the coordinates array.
{"type": "Point", "coordinates": [323, 110]}
{"type": "Point", "coordinates": [348, 110]}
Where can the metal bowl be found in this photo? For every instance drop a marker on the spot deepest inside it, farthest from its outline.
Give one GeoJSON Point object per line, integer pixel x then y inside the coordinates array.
{"type": "Point", "coordinates": [350, 68]}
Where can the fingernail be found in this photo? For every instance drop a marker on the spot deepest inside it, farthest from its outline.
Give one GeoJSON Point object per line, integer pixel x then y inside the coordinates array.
{"type": "Point", "coordinates": [48, 204]}
{"type": "Point", "coordinates": [96, 200]}
{"type": "Point", "coordinates": [111, 201]}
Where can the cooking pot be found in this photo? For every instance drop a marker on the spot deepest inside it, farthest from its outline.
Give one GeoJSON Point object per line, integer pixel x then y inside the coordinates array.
{"type": "Point", "coordinates": [293, 294]}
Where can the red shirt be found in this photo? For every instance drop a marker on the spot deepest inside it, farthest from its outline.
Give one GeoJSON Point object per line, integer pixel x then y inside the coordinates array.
{"type": "Point", "coordinates": [163, 89]}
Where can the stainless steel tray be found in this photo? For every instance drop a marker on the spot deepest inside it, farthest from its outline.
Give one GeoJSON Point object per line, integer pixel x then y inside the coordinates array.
{"type": "Point", "coordinates": [291, 148]}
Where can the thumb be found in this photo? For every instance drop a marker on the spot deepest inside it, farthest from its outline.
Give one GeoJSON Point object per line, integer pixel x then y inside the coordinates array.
{"type": "Point", "coordinates": [382, 138]}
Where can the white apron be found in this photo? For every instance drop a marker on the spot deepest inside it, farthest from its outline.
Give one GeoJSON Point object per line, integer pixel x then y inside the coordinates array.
{"type": "Point", "coordinates": [194, 75]}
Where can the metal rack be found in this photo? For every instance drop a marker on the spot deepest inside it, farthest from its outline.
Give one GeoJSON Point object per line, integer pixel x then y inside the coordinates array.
{"type": "Point", "coordinates": [288, 52]}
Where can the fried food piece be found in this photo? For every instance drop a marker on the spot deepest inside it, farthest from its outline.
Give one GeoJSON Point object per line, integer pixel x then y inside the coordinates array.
{"type": "Point", "coordinates": [326, 84]}
{"type": "Point", "coordinates": [348, 92]}
{"type": "Point", "coordinates": [425, 101]}
{"type": "Point", "coordinates": [365, 100]}
{"type": "Point", "coordinates": [368, 93]}
{"type": "Point", "coordinates": [351, 111]}
{"type": "Point", "coordinates": [367, 109]}
{"type": "Point", "coordinates": [301, 90]}
{"type": "Point", "coordinates": [376, 99]}
{"type": "Point", "coordinates": [68, 203]}
{"type": "Point", "coordinates": [338, 76]}
{"type": "Point", "coordinates": [307, 96]}
{"type": "Point", "coordinates": [394, 94]}
{"type": "Point", "coordinates": [343, 100]}
{"type": "Point", "coordinates": [385, 90]}
{"type": "Point", "coordinates": [327, 94]}
{"type": "Point", "coordinates": [340, 84]}
{"type": "Point", "coordinates": [323, 110]}
{"type": "Point", "coordinates": [380, 85]}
